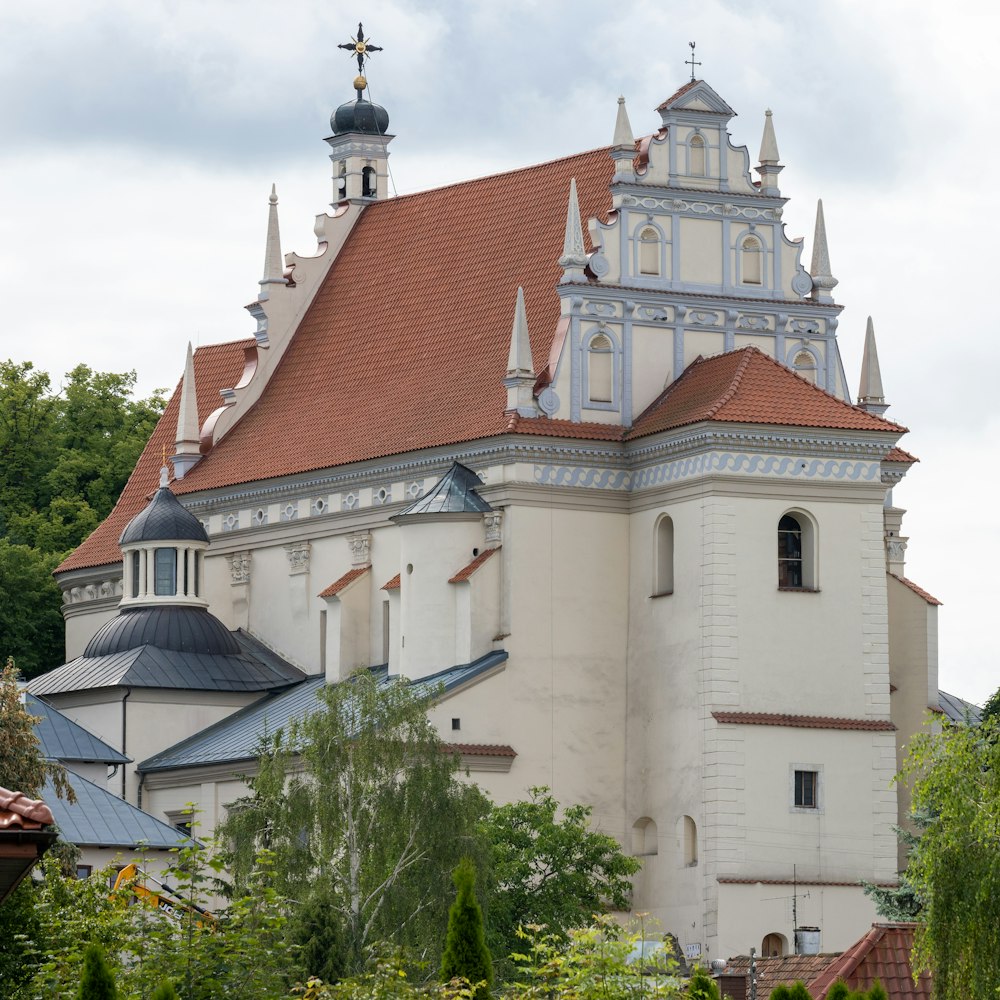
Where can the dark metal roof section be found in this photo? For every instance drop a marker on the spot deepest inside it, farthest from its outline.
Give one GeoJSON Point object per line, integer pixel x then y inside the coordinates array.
{"type": "Point", "coordinates": [958, 709]}
{"type": "Point", "coordinates": [100, 819]}
{"type": "Point", "coordinates": [63, 739]}
{"type": "Point", "coordinates": [175, 627]}
{"type": "Point", "coordinates": [165, 519]}
{"type": "Point", "coordinates": [237, 738]}
{"type": "Point", "coordinates": [455, 493]}
{"type": "Point", "coordinates": [249, 669]}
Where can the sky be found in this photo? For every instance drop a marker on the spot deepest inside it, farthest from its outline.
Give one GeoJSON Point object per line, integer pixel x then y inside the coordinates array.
{"type": "Point", "coordinates": [140, 142]}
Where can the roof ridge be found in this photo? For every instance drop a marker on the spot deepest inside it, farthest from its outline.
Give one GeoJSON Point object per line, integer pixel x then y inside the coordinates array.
{"type": "Point", "coordinates": [737, 379]}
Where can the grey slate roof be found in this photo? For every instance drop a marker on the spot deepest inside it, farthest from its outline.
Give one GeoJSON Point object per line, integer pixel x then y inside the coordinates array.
{"type": "Point", "coordinates": [253, 668]}
{"type": "Point", "coordinates": [100, 819]}
{"type": "Point", "coordinates": [164, 519]}
{"type": "Point", "coordinates": [237, 738]}
{"type": "Point", "coordinates": [63, 739]}
{"type": "Point", "coordinates": [957, 709]}
{"type": "Point", "coordinates": [454, 493]}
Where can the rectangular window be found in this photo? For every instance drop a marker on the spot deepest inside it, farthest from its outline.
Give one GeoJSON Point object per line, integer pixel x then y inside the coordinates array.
{"type": "Point", "coordinates": [84, 871]}
{"type": "Point", "coordinates": [135, 574]}
{"type": "Point", "coordinates": [165, 572]}
{"type": "Point", "coordinates": [805, 789]}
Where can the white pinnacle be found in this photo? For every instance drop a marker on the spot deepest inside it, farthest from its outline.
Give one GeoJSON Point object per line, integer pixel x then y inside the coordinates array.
{"type": "Point", "coordinates": [519, 361]}
{"type": "Point", "coordinates": [187, 444]}
{"type": "Point", "coordinates": [274, 264]}
{"type": "Point", "coordinates": [823, 279]}
{"type": "Point", "coordinates": [623, 128]}
{"type": "Point", "coordinates": [870, 391]}
{"type": "Point", "coordinates": [768, 144]}
{"type": "Point", "coordinates": [574, 256]}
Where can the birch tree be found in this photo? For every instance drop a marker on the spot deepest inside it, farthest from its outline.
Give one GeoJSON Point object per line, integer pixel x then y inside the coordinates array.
{"type": "Point", "coordinates": [363, 809]}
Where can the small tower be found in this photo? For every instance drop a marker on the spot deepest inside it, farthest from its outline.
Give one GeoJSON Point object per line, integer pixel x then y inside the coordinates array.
{"type": "Point", "coordinates": [871, 395]}
{"type": "Point", "coordinates": [520, 380]}
{"type": "Point", "coordinates": [274, 263]}
{"type": "Point", "coordinates": [360, 140]}
{"type": "Point", "coordinates": [823, 281]}
{"type": "Point", "coordinates": [187, 445]}
{"type": "Point", "coordinates": [163, 550]}
{"type": "Point", "coordinates": [769, 167]}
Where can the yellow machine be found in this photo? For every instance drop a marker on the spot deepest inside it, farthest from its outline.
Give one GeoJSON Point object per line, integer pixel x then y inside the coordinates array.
{"type": "Point", "coordinates": [164, 897]}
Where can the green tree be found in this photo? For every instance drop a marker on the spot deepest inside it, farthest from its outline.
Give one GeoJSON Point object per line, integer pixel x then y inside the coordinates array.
{"type": "Point", "coordinates": [465, 953]}
{"type": "Point", "coordinates": [955, 866]}
{"type": "Point", "coordinates": [165, 991]}
{"type": "Point", "coordinates": [376, 816]}
{"type": "Point", "coordinates": [31, 623]}
{"type": "Point", "coordinates": [316, 931]}
{"type": "Point", "coordinates": [97, 981]}
{"type": "Point", "coordinates": [556, 872]}
{"type": "Point", "coordinates": [701, 986]}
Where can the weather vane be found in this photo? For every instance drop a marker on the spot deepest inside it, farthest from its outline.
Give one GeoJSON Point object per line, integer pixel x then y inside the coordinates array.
{"type": "Point", "coordinates": [361, 48]}
{"type": "Point", "coordinates": [687, 62]}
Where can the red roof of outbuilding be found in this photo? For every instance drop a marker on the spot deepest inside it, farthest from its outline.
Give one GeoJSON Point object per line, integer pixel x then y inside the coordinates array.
{"type": "Point", "coordinates": [919, 591]}
{"type": "Point", "coordinates": [802, 721]}
{"type": "Point", "coordinates": [466, 571]}
{"type": "Point", "coordinates": [345, 581]}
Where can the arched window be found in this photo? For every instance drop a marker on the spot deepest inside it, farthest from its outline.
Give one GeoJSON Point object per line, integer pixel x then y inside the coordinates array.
{"type": "Point", "coordinates": [644, 837]}
{"type": "Point", "coordinates": [649, 251]}
{"type": "Point", "coordinates": [751, 261]}
{"type": "Point", "coordinates": [663, 582]}
{"type": "Point", "coordinates": [690, 841]}
{"type": "Point", "coordinates": [805, 365]}
{"type": "Point", "coordinates": [774, 945]}
{"type": "Point", "coordinates": [369, 183]}
{"type": "Point", "coordinates": [696, 147]}
{"type": "Point", "coordinates": [796, 553]}
{"type": "Point", "coordinates": [165, 572]}
{"type": "Point", "coordinates": [600, 369]}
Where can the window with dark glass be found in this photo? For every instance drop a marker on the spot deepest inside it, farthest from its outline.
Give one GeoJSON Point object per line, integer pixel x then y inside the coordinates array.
{"type": "Point", "coordinates": [165, 572]}
{"type": "Point", "coordinates": [790, 553]}
{"type": "Point", "coordinates": [135, 574]}
{"type": "Point", "coordinates": [805, 789]}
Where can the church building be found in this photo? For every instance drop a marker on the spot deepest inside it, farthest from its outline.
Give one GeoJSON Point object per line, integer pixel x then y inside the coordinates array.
{"type": "Point", "coordinates": [576, 443]}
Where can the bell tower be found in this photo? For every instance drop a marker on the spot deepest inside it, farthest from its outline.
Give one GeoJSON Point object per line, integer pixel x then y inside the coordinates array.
{"type": "Point", "coordinates": [360, 140]}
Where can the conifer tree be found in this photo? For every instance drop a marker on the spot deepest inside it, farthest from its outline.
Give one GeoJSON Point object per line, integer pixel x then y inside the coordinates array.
{"type": "Point", "coordinates": [165, 991]}
{"type": "Point", "coordinates": [97, 982]}
{"type": "Point", "coordinates": [701, 986]}
{"type": "Point", "coordinates": [465, 953]}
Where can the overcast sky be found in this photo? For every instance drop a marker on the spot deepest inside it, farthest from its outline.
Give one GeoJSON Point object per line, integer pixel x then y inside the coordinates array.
{"type": "Point", "coordinates": [140, 141]}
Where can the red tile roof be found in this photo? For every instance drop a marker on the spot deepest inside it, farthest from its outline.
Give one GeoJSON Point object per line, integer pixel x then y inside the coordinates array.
{"type": "Point", "coordinates": [802, 721]}
{"type": "Point", "coordinates": [467, 571]}
{"type": "Point", "coordinates": [393, 584]}
{"type": "Point", "coordinates": [677, 93]}
{"type": "Point", "coordinates": [732, 880]}
{"type": "Point", "coordinates": [898, 455]}
{"type": "Point", "coordinates": [18, 811]}
{"type": "Point", "coordinates": [216, 367]}
{"type": "Point", "coordinates": [749, 387]}
{"type": "Point", "coordinates": [482, 749]}
{"type": "Point", "coordinates": [919, 591]}
{"type": "Point", "coordinates": [784, 970]}
{"type": "Point", "coordinates": [882, 954]}
{"type": "Point", "coordinates": [348, 578]}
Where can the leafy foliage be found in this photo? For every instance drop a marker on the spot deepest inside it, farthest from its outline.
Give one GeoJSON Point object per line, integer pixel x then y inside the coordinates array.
{"type": "Point", "coordinates": [165, 991]}
{"type": "Point", "coordinates": [97, 982]}
{"type": "Point", "coordinates": [556, 872]}
{"type": "Point", "coordinates": [955, 866]}
{"type": "Point", "coordinates": [64, 459]}
{"type": "Point", "coordinates": [465, 953]}
{"type": "Point", "coordinates": [702, 987]}
{"type": "Point", "coordinates": [376, 818]}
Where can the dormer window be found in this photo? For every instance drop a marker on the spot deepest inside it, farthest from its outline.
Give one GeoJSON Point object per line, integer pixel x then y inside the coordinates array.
{"type": "Point", "coordinates": [649, 251]}
{"type": "Point", "coordinates": [751, 263]}
{"type": "Point", "coordinates": [696, 149]}
{"type": "Point", "coordinates": [165, 572]}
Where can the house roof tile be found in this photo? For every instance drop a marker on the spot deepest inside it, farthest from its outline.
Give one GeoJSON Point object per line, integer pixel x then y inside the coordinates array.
{"type": "Point", "coordinates": [345, 581]}
{"type": "Point", "coordinates": [393, 584]}
{"type": "Point", "coordinates": [919, 591]}
{"type": "Point", "coordinates": [480, 749]}
{"type": "Point", "coordinates": [17, 811]}
{"type": "Point", "coordinates": [802, 721]}
{"type": "Point", "coordinates": [466, 572]}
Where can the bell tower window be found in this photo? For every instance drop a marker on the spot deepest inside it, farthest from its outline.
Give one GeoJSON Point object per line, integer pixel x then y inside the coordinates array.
{"type": "Point", "coordinates": [165, 572]}
{"type": "Point", "coordinates": [805, 365]}
{"type": "Point", "coordinates": [369, 188]}
{"type": "Point", "coordinates": [649, 251]}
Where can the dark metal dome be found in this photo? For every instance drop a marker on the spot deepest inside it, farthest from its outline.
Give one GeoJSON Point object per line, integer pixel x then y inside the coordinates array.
{"type": "Point", "coordinates": [184, 629]}
{"type": "Point", "coordinates": [166, 520]}
{"type": "Point", "coordinates": [360, 116]}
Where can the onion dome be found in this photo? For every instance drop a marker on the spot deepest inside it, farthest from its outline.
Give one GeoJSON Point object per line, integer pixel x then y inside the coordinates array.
{"type": "Point", "coordinates": [360, 116]}
{"type": "Point", "coordinates": [164, 519]}
{"type": "Point", "coordinates": [180, 628]}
